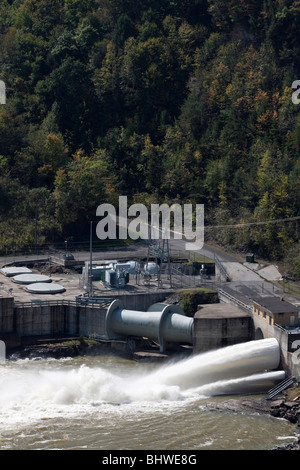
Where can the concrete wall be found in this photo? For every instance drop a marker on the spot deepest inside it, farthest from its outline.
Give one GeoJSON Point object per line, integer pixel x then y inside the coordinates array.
{"type": "Point", "coordinates": [209, 332]}
{"type": "Point", "coordinates": [60, 320]}
{"type": "Point", "coordinates": [143, 301]}
{"type": "Point", "coordinates": [7, 322]}
{"type": "Point", "coordinates": [6, 314]}
{"type": "Point", "coordinates": [46, 320]}
{"type": "Point", "coordinates": [289, 358]}
{"type": "Point", "coordinates": [91, 321]}
{"type": "Point", "coordinates": [221, 324]}
{"type": "Point", "coordinates": [36, 320]}
{"type": "Point", "coordinates": [215, 333]}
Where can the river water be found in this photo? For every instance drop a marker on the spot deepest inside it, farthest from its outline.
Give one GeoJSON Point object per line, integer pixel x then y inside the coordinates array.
{"type": "Point", "coordinates": [111, 403]}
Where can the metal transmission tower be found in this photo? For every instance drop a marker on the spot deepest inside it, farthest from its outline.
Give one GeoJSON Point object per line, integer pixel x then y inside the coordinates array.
{"type": "Point", "coordinates": [160, 250]}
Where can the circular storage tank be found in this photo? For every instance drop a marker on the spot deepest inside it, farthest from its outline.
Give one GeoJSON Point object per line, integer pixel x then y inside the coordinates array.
{"type": "Point", "coordinates": [31, 278]}
{"type": "Point", "coordinates": [44, 288]}
{"type": "Point", "coordinates": [15, 270]}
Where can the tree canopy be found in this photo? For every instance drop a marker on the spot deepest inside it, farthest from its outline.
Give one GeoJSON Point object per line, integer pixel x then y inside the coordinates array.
{"type": "Point", "coordinates": [161, 101]}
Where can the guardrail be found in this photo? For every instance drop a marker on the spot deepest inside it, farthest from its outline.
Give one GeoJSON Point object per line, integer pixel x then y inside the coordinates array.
{"type": "Point", "coordinates": [222, 269]}
{"type": "Point", "coordinates": [85, 302]}
{"type": "Point", "coordinates": [184, 279]}
{"type": "Point", "coordinates": [288, 329]}
{"type": "Point", "coordinates": [233, 299]}
{"type": "Point", "coordinates": [280, 387]}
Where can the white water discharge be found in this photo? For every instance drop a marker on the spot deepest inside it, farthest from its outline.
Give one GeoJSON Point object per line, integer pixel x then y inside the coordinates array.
{"type": "Point", "coordinates": [113, 403]}
{"type": "Point", "coordinates": [242, 368]}
{"type": "Point", "coordinates": [227, 369]}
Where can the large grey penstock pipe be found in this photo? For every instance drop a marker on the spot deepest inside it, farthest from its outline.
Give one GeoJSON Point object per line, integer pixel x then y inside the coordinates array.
{"type": "Point", "coordinates": [161, 322]}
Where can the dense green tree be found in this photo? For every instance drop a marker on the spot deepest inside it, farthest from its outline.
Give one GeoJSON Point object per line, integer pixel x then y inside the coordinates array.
{"type": "Point", "coordinates": [79, 188]}
{"type": "Point", "coordinates": [162, 101]}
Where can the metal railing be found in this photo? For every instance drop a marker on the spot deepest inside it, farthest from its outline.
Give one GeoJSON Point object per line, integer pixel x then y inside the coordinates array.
{"type": "Point", "coordinates": [290, 330]}
{"type": "Point", "coordinates": [236, 301]}
{"type": "Point", "coordinates": [184, 279]}
{"type": "Point", "coordinates": [221, 267]}
{"type": "Point", "coordinates": [98, 303]}
{"type": "Point", "coordinates": [286, 383]}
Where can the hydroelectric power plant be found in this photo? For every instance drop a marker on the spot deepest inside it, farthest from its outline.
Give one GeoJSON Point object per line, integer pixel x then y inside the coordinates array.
{"type": "Point", "coordinates": [225, 357]}
{"type": "Point", "coordinates": [196, 360]}
{"type": "Point", "coordinates": [188, 361]}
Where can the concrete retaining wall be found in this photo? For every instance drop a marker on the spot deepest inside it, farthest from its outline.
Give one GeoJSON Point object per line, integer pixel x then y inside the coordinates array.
{"type": "Point", "coordinates": [91, 321]}
{"type": "Point", "coordinates": [219, 325]}
{"type": "Point", "coordinates": [60, 320]}
{"type": "Point", "coordinates": [215, 333]}
{"type": "Point", "coordinates": [45, 320]}
{"type": "Point", "coordinates": [6, 314]}
{"type": "Point", "coordinates": [143, 301]}
{"type": "Point", "coordinates": [289, 359]}
{"type": "Point", "coordinates": [20, 322]}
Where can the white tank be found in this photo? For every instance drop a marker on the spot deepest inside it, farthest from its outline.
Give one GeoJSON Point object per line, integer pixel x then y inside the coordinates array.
{"type": "Point", "coordinates": [151, 267]}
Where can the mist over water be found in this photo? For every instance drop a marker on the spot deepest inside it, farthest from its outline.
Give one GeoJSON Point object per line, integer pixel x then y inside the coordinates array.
{"type": "Point", "coordinates": [209, 373]}
{"type": "Point", "coordinates": [88, 389]}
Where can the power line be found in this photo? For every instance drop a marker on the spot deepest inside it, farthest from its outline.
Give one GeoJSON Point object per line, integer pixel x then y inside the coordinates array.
{"type": "Point", "coordinates": [248, 224]}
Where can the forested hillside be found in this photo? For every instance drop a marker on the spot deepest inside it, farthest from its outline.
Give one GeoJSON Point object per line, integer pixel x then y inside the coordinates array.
{"type": "Point", "coordinates": [159, 100]}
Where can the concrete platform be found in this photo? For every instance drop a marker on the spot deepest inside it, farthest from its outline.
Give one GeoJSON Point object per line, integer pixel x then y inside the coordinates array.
{"type": "Point", "coordinates": [239, 272]}
{"type": "Point", "coordinates": [220, 325]}
{"type": "Point", "coordinates": [149, 356]}
{"type": "Point", "coordinates": [219, 311]}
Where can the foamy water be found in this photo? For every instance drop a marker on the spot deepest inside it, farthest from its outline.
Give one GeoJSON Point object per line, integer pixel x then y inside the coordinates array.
{"type": "Point", "coordinates": [61, 392]}
{"type": "Point", "coordinates": [231, 367]}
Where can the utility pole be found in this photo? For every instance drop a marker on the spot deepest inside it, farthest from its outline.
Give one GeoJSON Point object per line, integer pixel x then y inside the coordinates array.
{"type": "Point", "coordinates": [91, 261]}
{"type": "Point", "coordinates": [35, 228]}
{"type": "Point", "coordinates": [161, 253]}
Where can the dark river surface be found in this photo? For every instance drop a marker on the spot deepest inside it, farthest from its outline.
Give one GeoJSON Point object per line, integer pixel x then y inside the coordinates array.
{"type": "Point", "coordinates": [111, 403]}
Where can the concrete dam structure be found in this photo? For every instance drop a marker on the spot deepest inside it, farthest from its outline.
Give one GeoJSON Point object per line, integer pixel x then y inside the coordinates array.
{"type": "Point", "coordinates": [119, 321]}
{"type": "Point", "coordinates": [161, 322]}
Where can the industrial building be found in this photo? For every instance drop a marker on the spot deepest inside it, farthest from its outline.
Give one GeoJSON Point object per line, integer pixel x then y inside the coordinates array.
{"type": "Point", "coordinates": [276, 311]}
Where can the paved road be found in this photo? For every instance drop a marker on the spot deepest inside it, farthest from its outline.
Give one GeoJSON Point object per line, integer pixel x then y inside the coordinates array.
{"type": "Point", "coordinates": [244, 282]}
{"type": "Point", "coordinates": [138, 250]}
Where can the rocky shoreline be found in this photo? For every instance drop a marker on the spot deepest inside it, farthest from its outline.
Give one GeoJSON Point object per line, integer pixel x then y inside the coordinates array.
{"type": "Point", "coordinates": [284, 406]}
{"type": "Point", "coordinates": [287, 406]}
{"type": "Point", "coordinates": [58, 349]}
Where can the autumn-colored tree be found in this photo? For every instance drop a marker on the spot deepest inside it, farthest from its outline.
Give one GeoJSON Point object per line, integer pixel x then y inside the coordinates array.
{"type": "Point", "coordinates": [161, 101]}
